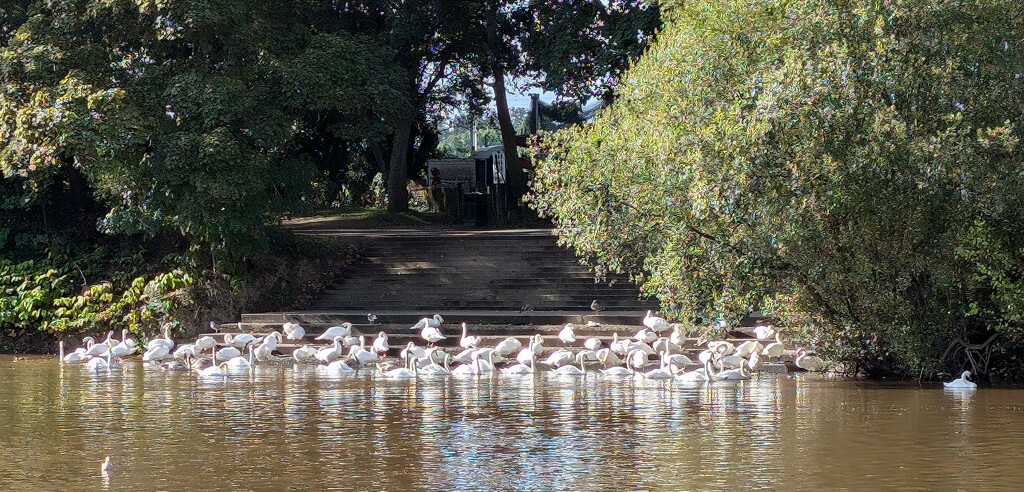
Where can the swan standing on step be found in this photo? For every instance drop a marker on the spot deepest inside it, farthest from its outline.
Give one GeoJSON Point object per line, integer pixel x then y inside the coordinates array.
{"type": "Point", "coordinates": [432, 334]}
{"type": "Point", "coordinates": [560, 358]}
{"type": "Point", "coordinates": [507, 346]}
{"type": "Point", "coordinates": [592, 343]}
{"type": "Point", "coordinates": [573, 370]}
{"type": "Point", "coordinates": [764, 332]}
{"type": "Point", "coordinates": [656, 323]}
{"type": "Point", "coordinates": [240, 340]}
{"type": "Point", "coordinates": [962, 383]}
{"type": "Point", "coordinates": [360, 354]}
{"type": "Point", "coordinates": [342, 330]}
{"type": "Point", "coordinates": [434, 322]}
{"type": "Point", "coordinates": [567, 335]}
{"type": "Point", "coordinates": [646, 335]}
{"type": "Point", "coordinates": [380, 345]}
{"type": "Point", "coordinates": [293, 331]}
{"type": "Point", "coordinates": [467, 341]}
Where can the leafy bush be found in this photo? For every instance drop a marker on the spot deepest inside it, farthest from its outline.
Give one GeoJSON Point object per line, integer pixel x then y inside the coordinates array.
{"type": "Point", "coordinates": [851, 168]}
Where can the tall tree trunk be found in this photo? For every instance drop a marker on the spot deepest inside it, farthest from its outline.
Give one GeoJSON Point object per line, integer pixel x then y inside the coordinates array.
{"type": "Point", "coordinates": [514, 173]}
{"type": "Point", "coordinates": [398, 191]}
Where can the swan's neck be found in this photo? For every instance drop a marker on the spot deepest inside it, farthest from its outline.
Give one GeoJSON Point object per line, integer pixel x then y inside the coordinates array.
{"type": "Point", "coordinates": [60, 346]}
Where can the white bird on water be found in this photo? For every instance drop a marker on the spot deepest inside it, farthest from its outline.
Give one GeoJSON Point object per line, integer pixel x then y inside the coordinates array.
{"type": "Point", "coordinates": [962, 383]}
{"type": "Point", "coordinates": [468, 341]}
{"type": "Point", "coordinates": [107, 466]}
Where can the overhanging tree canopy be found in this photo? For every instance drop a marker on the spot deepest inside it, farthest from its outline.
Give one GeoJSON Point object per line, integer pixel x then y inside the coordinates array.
{"type": "Point", "coordinates": [851, 167]}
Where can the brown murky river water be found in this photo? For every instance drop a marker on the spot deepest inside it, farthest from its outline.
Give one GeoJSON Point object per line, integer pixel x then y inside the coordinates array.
{"type": "Point", "coordinates": [283, 428]}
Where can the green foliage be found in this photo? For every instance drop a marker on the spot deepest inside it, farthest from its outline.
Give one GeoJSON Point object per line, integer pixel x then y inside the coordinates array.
{"type": "Point", "coordinates": [47, 298]}
{"type": "Point", "coordinates": [851, 168]}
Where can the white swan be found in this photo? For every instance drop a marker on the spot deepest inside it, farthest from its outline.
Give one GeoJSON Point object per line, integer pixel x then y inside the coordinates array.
{"type": "Point", "coordinates": [560, 358]}
{"type": "Point", "coordinates": [240, 364]}
{"type": "Point", "coordinates": [678, 338]}
{"type": "Point", "coordinates": [97, 364]}
{"type": "Point", "coordinates": [468, 341]}
{"type": "Point", "coordinates": [403, 372]}
{"type": "Point", "coordinates": [618, 346]}
{"type": "Point", "coordinates": [293, 331]}
{"type": "Point", "coordinates": [435, 369]}
{"type": "Point", "coordinates": [567, 335]}
{"type": "Point", "coordinates": [432, 334]}
{"type": "Point", "coordinates": [166, 340]}
{"type": "Point", "coordinates": [433, 322]}
{"type": "Point", "coordinates": [342, 330]}
{"type": "Point", "coordinates": [520, 369]}
{"type": "Point", "coordinates": [124, 348]}
{"type": "Point", "coordinates": [470, 369]}
{"type": "Point", "coordinates": [339, 367]}
{"type": "Point", "coordinates": [380, 344]}
{"type": "Point", "coordinates": [205, 343]}
{"type": "Point", "coordinates": [156, 354]}
{"type": "Point", "coordinates": [608, 358]}
{"type": "Point", "coordinates": [464, 357]}
{"type": "Point", "coordinates": [774, 350]}
{"type": "Point", "coordinates": [360, 354]}
{"type": "Point", "coordinates": [99, 349]}
{"type": "Point", "coordinates": [77, 356]}
{"type": "Point", "coordinates": [962, 383]}
{"type": "Point", "coordinates": [225, 354]}
{"type": "Point", "coordinates": [507, 346]}
{"type": "Point", "coordinates": [809, 362]}
{"type": "Point", "coordinates": [529, 354]}
{"type": "Point", "coordinates": [186, 350]}
{"type": "Point", "coordinates": [737, 374]}
{"type": "Point", "coordinates": [215, 370]}
{"type": "Point", "coordinates": [748, 347]}
{"type": "Point", "coordinates": [646, 335]}
{"type": "Point", "coordinates": [764, 332]}
{"type": "Point", "coordinates": [592, 343]}
{"type": "Point", "coordinates": [331, 352]}
{"type": "Point", "coordinates": [266, 347]}
{"type": "Point", "coordinates": [304, 353]}
{"type": "Point", "coordinates": [656, 323]}
{"type": "Point", "coordinates": [239, 340]}
{"type": "Point", "coordinates": [573, 370]}
{"type": "Point", "coordinates": [721, 346]}
{"type": "Point", "coordinates": [411, 350]}
{"type": "Point", "coordinates": [696, 376]}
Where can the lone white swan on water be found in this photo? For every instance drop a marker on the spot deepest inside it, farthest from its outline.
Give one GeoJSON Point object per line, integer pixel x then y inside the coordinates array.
{"type": "Point", "coordinates": [962, 383]}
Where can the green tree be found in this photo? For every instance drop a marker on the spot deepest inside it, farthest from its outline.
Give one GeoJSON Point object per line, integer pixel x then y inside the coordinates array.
{"type": "Point", "coordinates": [851, 167]}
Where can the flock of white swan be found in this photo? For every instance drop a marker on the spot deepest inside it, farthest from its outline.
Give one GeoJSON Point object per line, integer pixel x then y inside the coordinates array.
{"type": "Point", "coordinates": [649, 354]}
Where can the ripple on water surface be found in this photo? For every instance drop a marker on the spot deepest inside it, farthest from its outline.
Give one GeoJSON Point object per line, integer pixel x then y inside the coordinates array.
{"type": "Point", "coordinates": [281, 427]}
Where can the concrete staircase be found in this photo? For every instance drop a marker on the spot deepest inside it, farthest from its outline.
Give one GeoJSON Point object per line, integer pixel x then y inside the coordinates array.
{"type": "Point", "coordinates": [502, 283]}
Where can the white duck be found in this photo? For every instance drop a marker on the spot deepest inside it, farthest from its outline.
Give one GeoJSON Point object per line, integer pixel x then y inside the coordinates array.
{"type": "Point", "coordinates": [962, 383]}
{"type": "Point", "coordinates": [342, 330]}
{"type": "Point", "coordinates": [567, 335]}
{"type": "Point", "coordinates": [656, 323]}
{"type": "Point", "coordinates": [293, 331]}
{"type": "Point", "coordinates": [467, 341]}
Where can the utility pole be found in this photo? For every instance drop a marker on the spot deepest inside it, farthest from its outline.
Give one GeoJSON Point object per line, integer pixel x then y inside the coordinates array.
{"type": "Point", "coordinates": [472, 135]}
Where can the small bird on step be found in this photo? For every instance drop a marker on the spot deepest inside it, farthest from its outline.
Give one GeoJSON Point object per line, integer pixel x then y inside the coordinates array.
{"type": "Point", "coordinates": [596, 307]}
{"type": "Point", "coordinates": [372, 318]}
